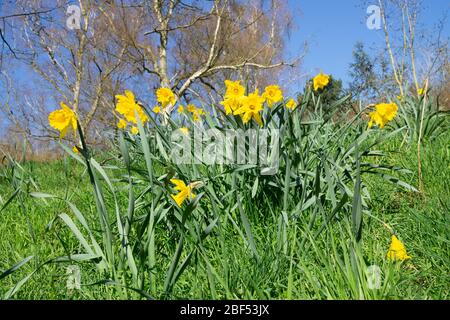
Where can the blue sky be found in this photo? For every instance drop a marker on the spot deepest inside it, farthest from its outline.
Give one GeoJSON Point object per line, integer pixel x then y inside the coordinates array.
{"type": "Point", "coordinates": [332, 27]}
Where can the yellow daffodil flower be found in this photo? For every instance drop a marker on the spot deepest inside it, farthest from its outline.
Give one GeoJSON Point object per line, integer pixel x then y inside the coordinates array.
{"type": "Point", "coordinates": [231, 104]}
{"type": "Point", "coordinates": [185, 130]}
{"type": "Point", "coordinates": [196, 116]}
{"type": "Point", "coordinates": [165, 96]}
{"type": "Point", "coordinates": [397, 250]}
{"type": "Point", "coordinates": [320, 81]}
{"type": "Point", "coordinates": [291, 104]}
{"type": "Point", "coordinates": [184, 192]}
{"type": "Point", "coordinates": [127, 106]}
{"type": "Point", "coordinates": [251, 106]}
{"type": "Point", "coordinates": [234, 89]}
{"type": "Point", "coordinates": [384, 112]}
{"type": "Point", "coordinates": [122, 124]}
{"type": "Point", "coordinates": [191, 108]}
{"type": "Point", "coordinates": [63, 120]}
{"type": "Point", "coordinates": [233, 96]}
{"type": "Point", "coordinates": [196, 112]}
{"type": "Point", "coordinates": [157, 109]}
{"type": "Point", "coordinates": [134, 130]}
{"type": "Point", "coordinates": [272, 94]}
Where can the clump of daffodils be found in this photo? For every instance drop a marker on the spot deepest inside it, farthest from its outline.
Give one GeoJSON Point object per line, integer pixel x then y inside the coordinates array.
{"type": "Point", "coordinates": [130, 110]}
{"type": "Point", "coordinates": [249, 106]}
{"type": "Point", "coordinates": [166, 97]}
{"type": "Point", "coordinates": [233, 96]}
{"type": "Point", "coordinates": [193, 110]}
{"type": "Point", "coordinates": [384, 112]}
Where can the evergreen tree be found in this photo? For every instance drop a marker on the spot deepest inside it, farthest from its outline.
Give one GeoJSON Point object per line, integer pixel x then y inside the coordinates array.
{"type": "Point", "coordinates": [363, 85]}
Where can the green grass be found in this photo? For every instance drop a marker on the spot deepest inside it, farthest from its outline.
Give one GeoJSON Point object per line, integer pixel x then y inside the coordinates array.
{"type": "Point", "coordinates": [331, 266]}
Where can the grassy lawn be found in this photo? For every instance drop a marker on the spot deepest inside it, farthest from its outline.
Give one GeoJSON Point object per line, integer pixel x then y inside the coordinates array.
{"type": "Point", "coordinates": [331, 266]}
